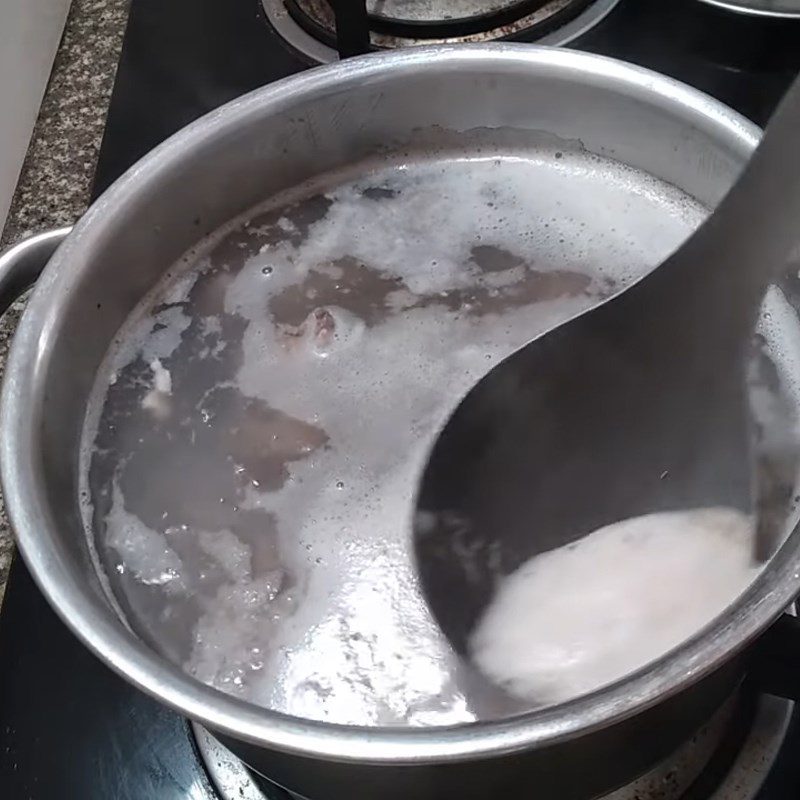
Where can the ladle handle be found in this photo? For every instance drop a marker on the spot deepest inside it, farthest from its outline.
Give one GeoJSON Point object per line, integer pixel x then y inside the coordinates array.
{"type": "Point", "coordinates": [748, 240]}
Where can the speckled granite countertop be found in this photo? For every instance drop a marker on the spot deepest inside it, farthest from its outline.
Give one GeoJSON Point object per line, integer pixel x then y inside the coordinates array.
{"type": "Point", "coordinates": [53, 189]}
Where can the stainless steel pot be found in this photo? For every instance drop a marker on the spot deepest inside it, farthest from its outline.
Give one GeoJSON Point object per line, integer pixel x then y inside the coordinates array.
{"type": "Point", "coordinates": [219, 167]}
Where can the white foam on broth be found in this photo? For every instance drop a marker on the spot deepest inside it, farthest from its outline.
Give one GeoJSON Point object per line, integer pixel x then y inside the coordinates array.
{"type": "Point", "coordinates": [313, 348]}
{"type": "Point", "coordinates": [581, 616]}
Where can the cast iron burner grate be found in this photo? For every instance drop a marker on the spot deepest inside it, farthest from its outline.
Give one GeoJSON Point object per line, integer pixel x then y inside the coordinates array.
{"type": "Point", "coordinates": [324, 29]}
{"type": "Point", "coordinates": [727, 760]}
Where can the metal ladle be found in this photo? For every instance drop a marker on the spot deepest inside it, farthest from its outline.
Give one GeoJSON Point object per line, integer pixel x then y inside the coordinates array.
{"type": "Point", "coordinates": [636, 406]}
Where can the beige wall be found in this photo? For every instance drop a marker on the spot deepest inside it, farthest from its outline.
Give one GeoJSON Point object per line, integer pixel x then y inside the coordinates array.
{"type": "Point", "coordinates": [30, 31]}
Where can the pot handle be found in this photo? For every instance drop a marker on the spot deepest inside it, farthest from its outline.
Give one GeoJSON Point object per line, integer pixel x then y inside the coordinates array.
{"type": "Point", "coordinates": [774, 662]}
{"type": "Point", "coordinates": [23, 262]}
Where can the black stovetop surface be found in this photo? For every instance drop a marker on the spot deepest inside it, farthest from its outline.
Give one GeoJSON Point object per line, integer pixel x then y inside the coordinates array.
{"type": "Point", "coordinates": [69, 728]}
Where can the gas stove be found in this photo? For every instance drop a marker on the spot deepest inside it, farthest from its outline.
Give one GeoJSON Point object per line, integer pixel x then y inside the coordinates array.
{"type": "Point", "coordinates": [69, 728]}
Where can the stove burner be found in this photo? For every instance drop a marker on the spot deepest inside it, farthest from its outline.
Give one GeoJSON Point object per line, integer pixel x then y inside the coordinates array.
{"type": "Point", "coordinates": [467, 18]}
{"type": "Point", "coordinates": [230, 777]}
{"type": "Point", "coordinates": [727, 760]}
{"type": "Point", "coordinates": [754, 760]}
{"type": "Point", "coordinates": [309, 25]}
{"type": "Point", "coordinates": [426, 11]}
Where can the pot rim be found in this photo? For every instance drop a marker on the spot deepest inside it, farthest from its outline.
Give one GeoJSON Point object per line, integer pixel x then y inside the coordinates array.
{"type": "Point", "coordinates": [35, 523]}
{"type": "Point", "coordinates": [753, 10]}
